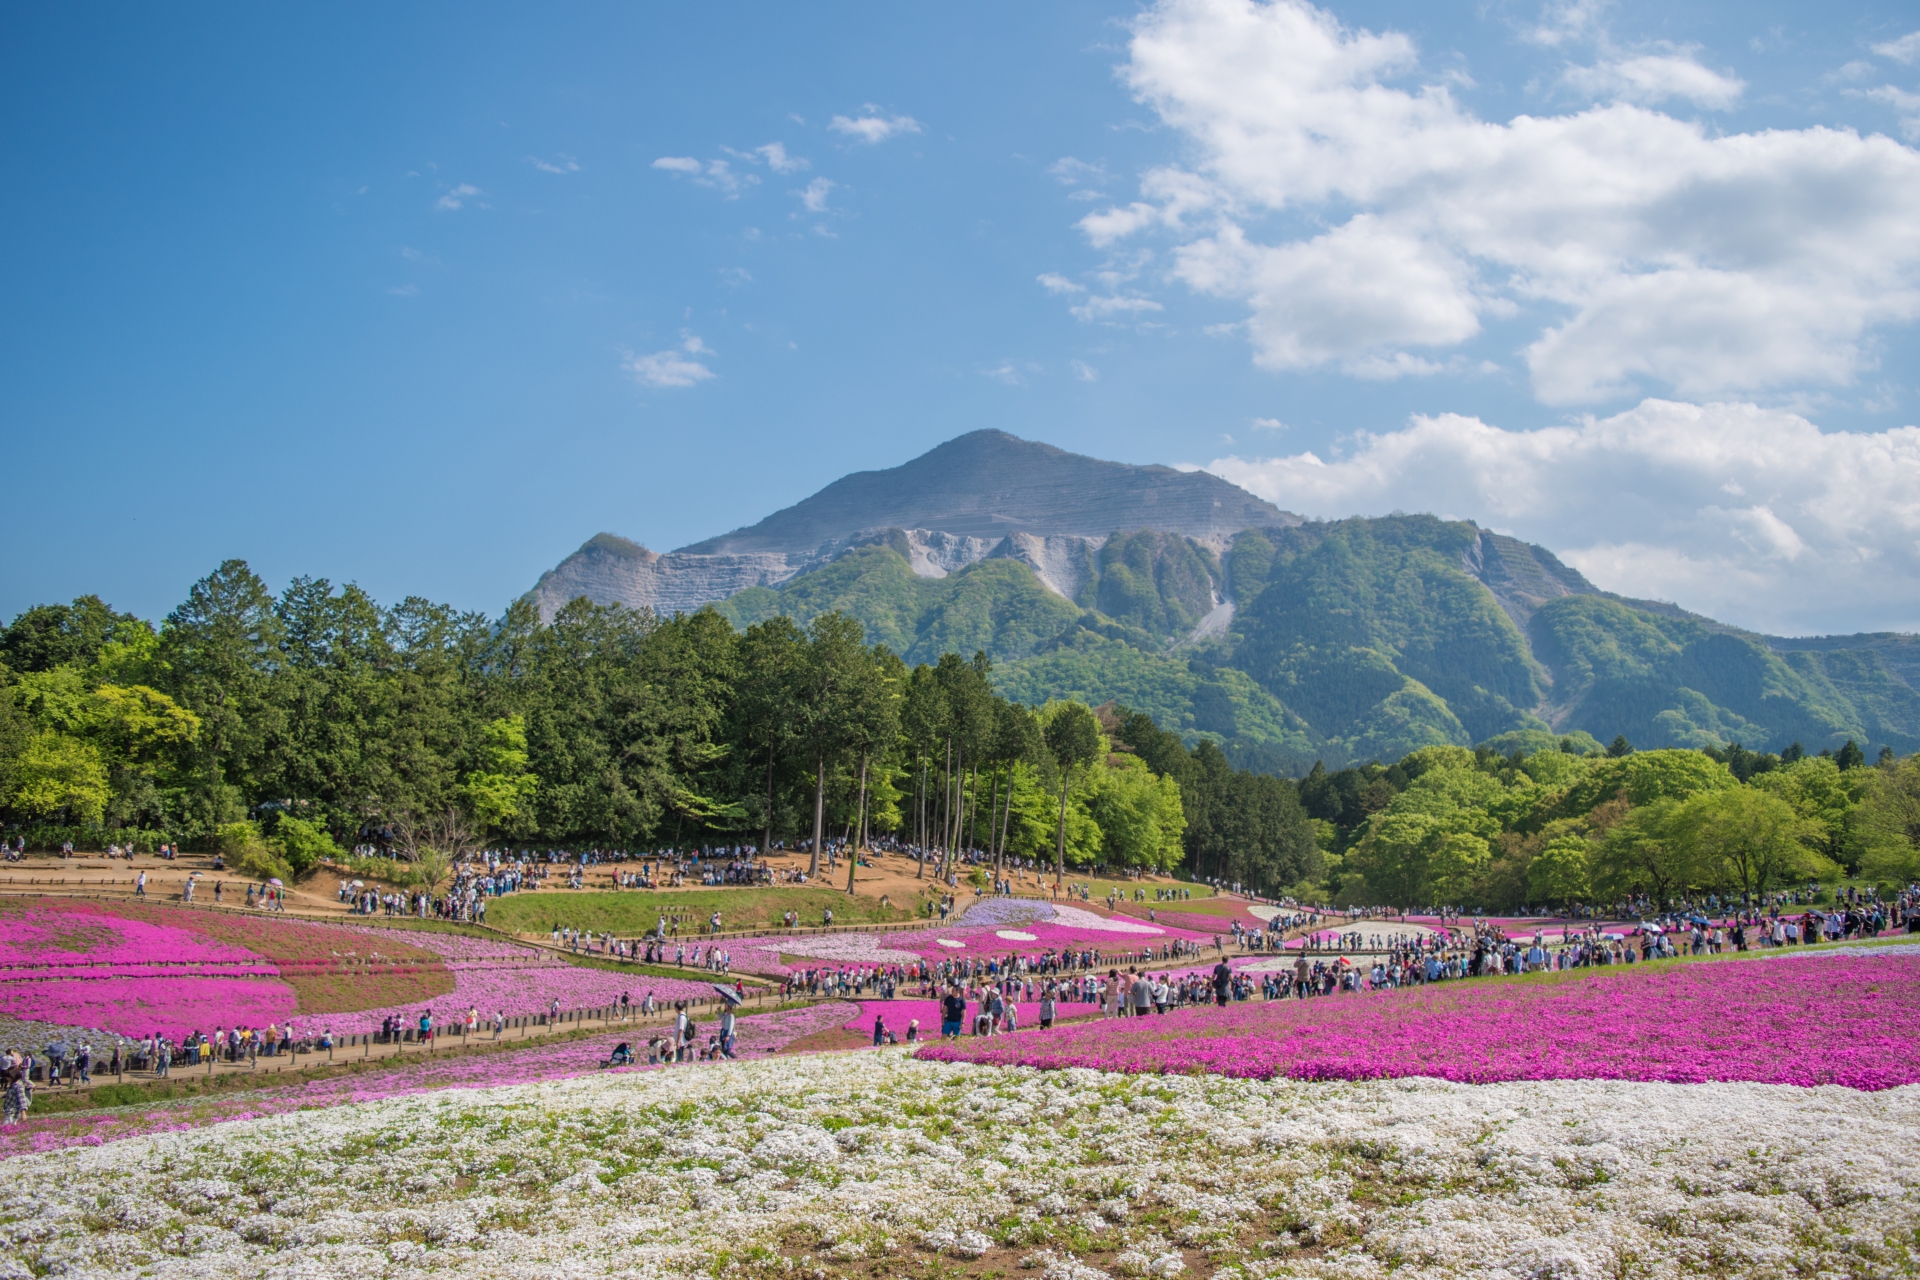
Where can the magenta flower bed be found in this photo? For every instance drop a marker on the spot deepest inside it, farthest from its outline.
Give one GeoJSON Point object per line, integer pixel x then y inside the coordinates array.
{"type": "Point", "coordinates": [85, 934]}
{"type": "Point", "coordinates": [756, 1036]}
{"type": "Point", "coordinates": [1815, 1020]}
{"type": "Point", "coordinates": [137, 1007]}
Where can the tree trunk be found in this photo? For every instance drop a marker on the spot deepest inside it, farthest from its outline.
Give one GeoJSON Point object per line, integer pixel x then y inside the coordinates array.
{"type": "Point", "coordinates": [820, 812]}
{"type": "Point", "coordinates": [973, 813]}
{"type": "Point", "coordinates": [993, 816]}
{"type": "Point", "coordinates": [1006, 815]}
{"type": "Point", "coordinates": [1060, 846]}
{"type": "Point", "coordinates": [920, 863]}
{"type": "Point", "coordinates": [766, 840]}
{"type": "Point", "coordinates": [859, 828]}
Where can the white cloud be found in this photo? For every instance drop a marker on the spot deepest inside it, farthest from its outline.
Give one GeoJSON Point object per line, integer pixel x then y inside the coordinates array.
{"type": "Point", "coordinates": [1754, 516]}
{"type": "Point", "coordinates": [717, 174]}
{"type": "Point", "coordinates": [1906, 49]}
{"type": "Point", "coordinates": [405, 290]}
{"type": "Point", "coordinates": [1569, 21]}
{"type": "Point", "coordinates": [1011, 372]}
{"type": "Point", "coordinates": [1654, 78]}
{"type": "Point", "coordinates": [675, 367]}
{"type": "Point", "coordinates": [1269, 424]}
{"type": "Point", "coordinates": [1644, 249]}
{"type": "Point", "coordinates": [1099, 306]}
{"type": "Point", "coordinates": [457, 197]}
{"type": "Point", "coordinates": [872, 126]}
{"type": "Point", "coordinates": [1085, 372]}
{"type": "Point", "coordinates": [1907, 104]}
{"type": "Point", "coordinates": [562, 164]}
{"type": "Point", "coordinates": [775, 154]}
{"type": "Point", "coordinates": [815, 196]}
{"type": "Point", "coordinates": [1118, 306]}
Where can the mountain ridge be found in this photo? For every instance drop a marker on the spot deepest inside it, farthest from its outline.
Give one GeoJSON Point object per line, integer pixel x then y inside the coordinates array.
{"type": "Point", "coordinates": [1283, 639]}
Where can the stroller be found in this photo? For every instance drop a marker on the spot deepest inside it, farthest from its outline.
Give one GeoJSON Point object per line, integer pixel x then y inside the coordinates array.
{"type": "Point", "coordinates": [622, 1057]}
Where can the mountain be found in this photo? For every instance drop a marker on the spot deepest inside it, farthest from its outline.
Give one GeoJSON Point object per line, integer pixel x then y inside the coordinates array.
{"type": "Point", "coordinates": [983, 494]}
{"type": "Point", "coordinates": [1286, 640]}
{"type": "Point", "coordinates": [988, 484]}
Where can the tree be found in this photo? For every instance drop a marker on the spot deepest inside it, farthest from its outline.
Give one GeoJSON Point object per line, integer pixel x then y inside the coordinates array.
{"type": "Point", "coordinates": [771, 655]}
{"type": "Point", "coordinates": [500, 792]}
{"type": "Point", "coordinates": [1139, 814]}
{"type": "Point", "coordinates": [1073, 739]}
{"type": "Point", "coordinates": [220, 649]}
{"type": "Point", "coordinates": [65, 635]}
{"type": "Point", "coordinates": [1747, 837]}
{"type": "Point", "coordinates": [1821, 794]}
{"type": "Point", "coordinates": [1886, 826]}
{"type": "Point", "coordinates": [1645, 853]}
{"type": "Point", "coordinates": [1017, 740]}
{"type": "Point", "coordinates": [872, 729]}
{"type": "Point", "coordinates": [830, 689]}
{"type": "Point", "coordinates": [1561, 873]}
{"type": "Point", "coordinates": [56, 774]}
{"type": "Point", "coordinates": [1619, 746]}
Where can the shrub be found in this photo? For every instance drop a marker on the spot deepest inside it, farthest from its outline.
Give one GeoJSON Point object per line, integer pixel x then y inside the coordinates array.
{"type": "Point", "coordinates": [240, 843]}
{"type": "Point", "coordinates": [303, 845]}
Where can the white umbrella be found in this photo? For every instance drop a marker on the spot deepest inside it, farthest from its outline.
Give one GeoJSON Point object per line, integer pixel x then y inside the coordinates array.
{"type": "Point", "coordinates": [276, 881]}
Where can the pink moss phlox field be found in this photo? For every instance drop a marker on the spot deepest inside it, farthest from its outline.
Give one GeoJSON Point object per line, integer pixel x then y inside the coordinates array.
{"type": "Point", "coordinates": [83, 934]}
{"type": "Point", "coordinates": [1198, 922]}
{"type": "Point", "coordinates": [1831, 1020]}
{"type": "Point", "coordinates": [523, 990]}
{"type": "Point", "coordinates": [137, 1007]}
{"type": "Point", "coordinates": [756, 1036]}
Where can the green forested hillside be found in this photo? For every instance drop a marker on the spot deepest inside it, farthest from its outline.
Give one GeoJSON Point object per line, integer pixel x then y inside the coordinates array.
{"type": "Point", "coordinates": [995, 605]}
{"type": "Point", "coordinates": [1375, 633]}
{"type": "Point", "coordinates": [1367, 639]}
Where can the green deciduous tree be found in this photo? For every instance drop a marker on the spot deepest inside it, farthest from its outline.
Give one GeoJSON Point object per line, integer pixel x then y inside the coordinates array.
{"type": "Point", "coordinates": [1073, 739]}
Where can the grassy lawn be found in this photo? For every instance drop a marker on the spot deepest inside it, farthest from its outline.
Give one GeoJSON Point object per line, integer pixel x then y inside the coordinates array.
{"type": "Point", "coordinates": [1101, 888]}
{"type": "Point", "coordinates": [634, 911]}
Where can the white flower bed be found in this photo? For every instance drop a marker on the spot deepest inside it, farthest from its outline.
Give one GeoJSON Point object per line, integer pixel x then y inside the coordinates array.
{"type": "Point", "coordinates": [873, 1164]}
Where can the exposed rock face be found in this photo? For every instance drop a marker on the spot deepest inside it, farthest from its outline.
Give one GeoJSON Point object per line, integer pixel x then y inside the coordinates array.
{"type": "Point", "coordinates": [1063, 563]}
{"type": "Point", "coordinates": [612, 570]}
{"type": "Point", "coordinates": [988, 484]}
{"type": "Point", "coordinates": [984, 494]}
{"type": "Point", "coordinates": [1523, 576]}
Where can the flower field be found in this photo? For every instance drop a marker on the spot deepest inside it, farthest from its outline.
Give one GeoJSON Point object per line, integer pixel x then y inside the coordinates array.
{"type": "Point", "coordinates": [805, 1168]}
{"type": "Point", "coordinates": [493, 976]}
{"type": "Point", "coordinates": [757, 1035]}
{"type": "Point", "coordinates": [1805, 1020]}
{"type": "Point", "coordinates": [992, 927]}
{"type": "Point", "coordinates": [136, 968]}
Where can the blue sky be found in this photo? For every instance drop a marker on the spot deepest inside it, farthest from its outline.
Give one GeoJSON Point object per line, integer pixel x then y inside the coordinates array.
{"type": "Point", "coordinates": [412, 299]}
